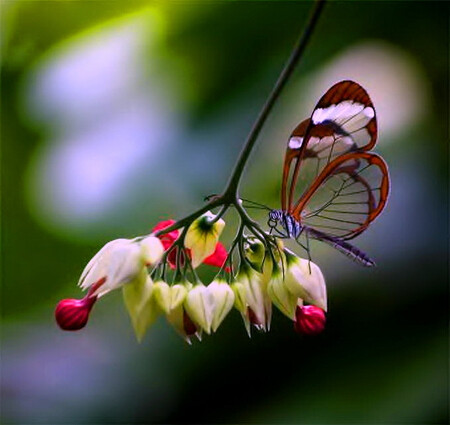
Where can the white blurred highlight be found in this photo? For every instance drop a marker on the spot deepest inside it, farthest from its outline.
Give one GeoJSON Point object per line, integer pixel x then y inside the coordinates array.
{"type": "Point", "coordinates": [108, 121]}
{"type": "Point", "coordinates": [391, 77]}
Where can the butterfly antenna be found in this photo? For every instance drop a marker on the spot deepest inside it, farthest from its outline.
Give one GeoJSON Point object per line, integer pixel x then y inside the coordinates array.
{"type": "Point", "coordinates": [308, 251]}
{"type": "Point", "coordinates": [254, 204]}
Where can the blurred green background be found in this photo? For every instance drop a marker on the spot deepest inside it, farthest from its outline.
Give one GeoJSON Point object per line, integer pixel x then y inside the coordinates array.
{"type": "Point", "coordinates": [117, 114]}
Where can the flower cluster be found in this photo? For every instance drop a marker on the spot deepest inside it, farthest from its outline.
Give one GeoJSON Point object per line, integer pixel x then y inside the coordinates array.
{"type": "Point", "coordinates": [265, 276]}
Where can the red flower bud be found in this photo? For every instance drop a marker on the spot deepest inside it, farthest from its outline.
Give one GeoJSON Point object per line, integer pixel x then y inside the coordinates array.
{"type": "Point", "coordinates": [309, 320]}
{"type": "Point", "coordinates": [217, 258]}
{"type": "Point", "coordinates": [72, 314]}
{"type": "Point", "coordinates": [167, 239]}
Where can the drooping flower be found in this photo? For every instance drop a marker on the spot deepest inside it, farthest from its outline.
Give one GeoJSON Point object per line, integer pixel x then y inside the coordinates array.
{"type": "Point", "coordinates": [140, 304]}
{"type": "Point", "coordinates": [183, 323]}
{"type": "Point", "coordinates": [262, 261]}
{"type": "Point", "coordinates": [255, 251]}
{"type": "Point", "coordinates": [309, 320]}
{"type": "Point", "coordinates": [162, 294]}
{"type": "Point", "coordinates": [305, 280]}
{"type": "Point", "coordinates": [152, 250]}
{"type": "Point", "coordinates": [223, 301]}
{"type": "Point", "coordinates": [202, 237]}
{"type": "Point", "coordinates": [280, 295]}
{"type": "Point", "coordinates": [73, 314]}
{"type": "Point", "coordinates": [217, 258]}
{"type": "Point", "coordinates": [200, 305]}
{"type": "Point", "coordinates": [239, 291]}
{"type": "Point", "coordinates": [252, 290]}
{"type": "Point", "coordinates": [119, 262]}
{"type": "Point", "coordinates": [178, 294]}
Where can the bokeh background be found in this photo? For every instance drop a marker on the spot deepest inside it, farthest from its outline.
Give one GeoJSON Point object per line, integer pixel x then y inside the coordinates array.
{"type": "Point", "coordinates": [117, 114]}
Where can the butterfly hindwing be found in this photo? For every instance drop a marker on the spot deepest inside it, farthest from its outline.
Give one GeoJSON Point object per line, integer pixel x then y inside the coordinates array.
{"type": "Point", "coordinates": [347, 195]}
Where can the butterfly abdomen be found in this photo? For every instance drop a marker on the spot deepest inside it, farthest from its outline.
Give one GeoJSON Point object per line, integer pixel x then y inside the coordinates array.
{"type": "Point", "coordinates": [346, 248]}
{"type": "Point", "coordinates": [352, 252]}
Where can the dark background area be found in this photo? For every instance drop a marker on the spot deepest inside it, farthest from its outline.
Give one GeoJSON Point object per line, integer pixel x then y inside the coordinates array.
{"type": "Point", "coordinates": [116, 115]}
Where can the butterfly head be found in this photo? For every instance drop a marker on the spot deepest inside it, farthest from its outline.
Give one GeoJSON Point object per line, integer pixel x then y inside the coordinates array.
{"type": "Point", "coordinates": [292, 228]}
{"type": "Point", "coordinates": [274, 217]}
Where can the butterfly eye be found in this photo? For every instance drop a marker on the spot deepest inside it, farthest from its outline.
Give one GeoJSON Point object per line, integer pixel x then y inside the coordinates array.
{"type": "Point", "coordinates": [273, 216]}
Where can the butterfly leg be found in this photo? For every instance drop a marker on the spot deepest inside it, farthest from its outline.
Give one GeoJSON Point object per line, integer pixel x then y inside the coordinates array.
{"type": "Point", "coordinates": [306, 248]}
{"type": "Point", "coordinates": [279, 234]}
{"type": "Point", "coordinates": [308, 251]}
{"type": "Point", "coordinates": [303, 246]}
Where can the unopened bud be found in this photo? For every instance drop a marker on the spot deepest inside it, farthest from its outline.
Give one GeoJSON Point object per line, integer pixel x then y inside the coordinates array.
{"type": "Point", "coordinates": [309, 320]}
{"type": "Point", "coordinates": [73, 314]}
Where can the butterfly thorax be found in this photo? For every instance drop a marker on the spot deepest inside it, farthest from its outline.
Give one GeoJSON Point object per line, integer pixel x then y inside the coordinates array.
{"type": "Point", "coordinates": [292, 228]}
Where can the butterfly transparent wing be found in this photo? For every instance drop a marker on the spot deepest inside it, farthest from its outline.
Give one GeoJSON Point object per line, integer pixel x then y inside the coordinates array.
{"type": "Point", "coordinates": [346, 197]}
{"type": "Point", "coordinates": [343, 121]}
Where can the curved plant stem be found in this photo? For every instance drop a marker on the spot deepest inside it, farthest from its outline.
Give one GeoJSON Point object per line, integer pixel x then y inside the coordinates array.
{"type": "Point", "coordinates": [232, 188]}
{"type": "Point", "coordinates": [230, 195]}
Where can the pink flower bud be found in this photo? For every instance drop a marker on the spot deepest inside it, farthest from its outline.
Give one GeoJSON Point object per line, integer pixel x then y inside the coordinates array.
{"type": "Point", "coordinates": [309, 320]}
{"type": "Point", "coordinates": [72, 314]}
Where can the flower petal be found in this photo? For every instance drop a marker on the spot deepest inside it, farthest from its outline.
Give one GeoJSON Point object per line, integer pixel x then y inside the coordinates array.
{"type": "Point", "coordinates": [152, 250]}
{"type": "Point", "coordinates": [280, 295]}
{"type": "Point", "coordinates": [202, 237]}
{"type": "Point", "coordinates": [218, 257]}
{"type": "Point", "coordinates": [309, 320]}
{"type": "Point", "coordinates": [255, 293]}
{"type": "Point", "coordinates": [182, 323]}
{"type": "Point", "coordinates": [178, 294]}
{"type": "Point", "coordinates": [200, 306]}
{"type": "Point", "coordinates": [141, 306]}
{"type": "Point", "coordinates": [305, 280]}
{"type": "Point", "coordinates": [162, 295]}
{"type": "Point", "coordinates": [224, 300]}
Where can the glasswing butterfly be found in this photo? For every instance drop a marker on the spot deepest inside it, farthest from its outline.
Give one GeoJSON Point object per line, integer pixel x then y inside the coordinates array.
{"type": "Point", "coordinates": [333, 187]}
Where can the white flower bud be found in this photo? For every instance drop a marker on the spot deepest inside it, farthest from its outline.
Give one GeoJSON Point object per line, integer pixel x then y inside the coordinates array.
{"type": "Point", "coordinates": [254, 295]}
{"type": "Point", "coordinates": [239, 291]}
{"type": "Point", "coordinates": [140, 304]}
{"type": "Point", "coordinates": [152, 250]}
{"type": "Point", "coordinates": [183, 324]}
{"type": "Point", "coordinates": [224, 300]}
{"type": "Point", "coordinates": [280, 295]}
{"type": "Point", "coordinates": [200, 306]}
{"type": "Point", "coordinates": [119, 262]}
{"type": "Point", "coordinates": [162, 295]}
{"type": "Point", "coordinates": [258, 305]}
{"type": "Point", "coordinates": [178, 294]}
{"type": "Point", "coordinates": [305, 280]}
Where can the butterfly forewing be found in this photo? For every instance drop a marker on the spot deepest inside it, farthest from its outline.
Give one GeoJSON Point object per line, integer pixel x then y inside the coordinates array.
{"type": "Point", "coordinates": [348, 105]}
{"type": "Point", "coordinates": [343, 121]}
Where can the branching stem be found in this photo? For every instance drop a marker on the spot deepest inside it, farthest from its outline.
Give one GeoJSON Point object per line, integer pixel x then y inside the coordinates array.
{"type": "Point", "coordinates": [230, 196]}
